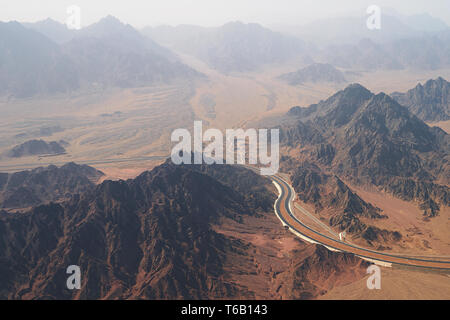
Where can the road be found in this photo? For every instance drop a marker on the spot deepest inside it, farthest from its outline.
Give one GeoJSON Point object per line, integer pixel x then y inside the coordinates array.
{"type": "Point", "coordinates": [283, 209]}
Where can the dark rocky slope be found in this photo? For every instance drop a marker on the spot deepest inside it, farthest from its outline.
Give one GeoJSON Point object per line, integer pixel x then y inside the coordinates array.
{"type": "Point", "coordinates": [371, 139]}
{"type": "Point", "coordinates": [40, 185]}
{"type": "Point", "coordinates": [152, 237]}
{"type": "Point", "coordinates": [429, 102]}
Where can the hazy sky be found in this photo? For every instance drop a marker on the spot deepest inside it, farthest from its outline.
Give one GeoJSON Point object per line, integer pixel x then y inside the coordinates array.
{"type": "Point", "coordinates": [210, 12]}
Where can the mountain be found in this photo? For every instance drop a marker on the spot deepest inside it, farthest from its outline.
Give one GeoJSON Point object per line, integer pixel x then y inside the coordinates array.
{"type": "Point", "coordinates": [54, 30]}
{"type": "Point", "coordinates": [158, 237]}
{"type": "Point", "coordinates": [370, 138]}
{"type": "Point", "coordinates": [317, 72]}
{"type": "Point", "coordinates": [36, 147]}
{"type": "Point", "coordinates": [345, 208]}
{"type": "Point", "coordinates": [149, 238]}
{"type": "Point", "coordinates": [353, 28]}
{"type": "Point", "coordinates": [110, 53]}
{"type": "Point", "coordinates": [105, 54]}
{"type": "Point", "coordinates": [421, 52]}
{"type": "Point", "coordinates": [28, 188]}
{"type": "Point", "coordinates": [366, 54]}
{"type": "Point", "coordinates": [234, 46]}
{"type": "Point", "coordinates": [429, 102]}
{"type": "Point", "coordinates": [425, 52]}
{"type": "Point", "coordinates": [423, 22]}
{"type": "Point", "coordinates": [31, 64]}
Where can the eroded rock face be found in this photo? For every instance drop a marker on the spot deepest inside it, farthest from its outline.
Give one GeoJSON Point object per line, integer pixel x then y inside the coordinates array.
{"type": "Point", "coordinates": [429, 102]}
{"type": "Point", "coordinates": [40, 185]}
{"type": "Point", "coordinates": [327, 191]}
{"type": "Point", "coordinates": [371, 139]}
{"type": "Point", "coordinates": [152, 237]}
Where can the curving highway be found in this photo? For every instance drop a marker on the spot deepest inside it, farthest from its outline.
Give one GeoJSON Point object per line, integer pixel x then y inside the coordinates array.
{"type": "Point", "coordinates": [283, 210]}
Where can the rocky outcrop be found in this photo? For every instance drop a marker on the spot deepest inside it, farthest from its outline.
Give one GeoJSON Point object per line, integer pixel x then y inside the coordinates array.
{"type": "Point", "coordinates": [36, 147]}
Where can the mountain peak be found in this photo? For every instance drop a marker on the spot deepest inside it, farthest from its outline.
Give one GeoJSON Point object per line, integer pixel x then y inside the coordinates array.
{"type": "Point", "coordinates": [107, 25]}
{"type": "Point", "coordinates": [353, 94]}
{"type": "Point", "coordinates": [50, 21]}
{"type": "Point", "coordinates": [356, 87]}
{"type": "Point", "coordinates": [429, 101]}
{"type": "Point", "coordinates": [110, 19]}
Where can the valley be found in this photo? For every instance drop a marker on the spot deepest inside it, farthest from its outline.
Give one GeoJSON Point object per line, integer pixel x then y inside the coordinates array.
{"type": "Point", "coordinates": [87, 179]}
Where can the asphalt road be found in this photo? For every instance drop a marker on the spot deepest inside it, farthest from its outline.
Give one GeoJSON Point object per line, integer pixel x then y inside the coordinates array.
{"type": "Point", "coordinates": [283, 209]}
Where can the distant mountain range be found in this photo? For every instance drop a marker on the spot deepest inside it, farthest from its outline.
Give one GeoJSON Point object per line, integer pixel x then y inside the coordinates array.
{"type": "Point", "coordinates": [368, 138]}
{"type": "Point", "coordinates": [317, 72]}
{"type": "Point", "coordinates": [47, 58]}
{"type": "Point", "coordinates": [234, 46]}
{"type": "Point", "coordinates": [425, 52]}
{"type": "Point", "coordinates": [352, 28]}
{"type": "Point", "coordinates": [429, 102]}
{"type": "Point", "coordinates": [54, 30]}
{"type": "Point", "coordinates": [104, 54]}
{"type": "Point", "coordinates": [348, 44]}
{"type": "Point", "coordinates": [30, 63]}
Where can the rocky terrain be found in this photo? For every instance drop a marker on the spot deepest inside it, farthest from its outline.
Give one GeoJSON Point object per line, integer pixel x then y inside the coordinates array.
{"type": "Point", "coordinates": [371, 139]}
{"type": "Point", "coordinates": [345, 208]}
{"type": "Point", "coordinates": [153, 237]}
{"type": "Point", "coordinates": [28, 188]}
{"type": "Point", "coordinates": [106, 54]}
{"type": "Point", "coordinates": [305, 278]}
{"type": "Point", "coordinates": [429, 102]}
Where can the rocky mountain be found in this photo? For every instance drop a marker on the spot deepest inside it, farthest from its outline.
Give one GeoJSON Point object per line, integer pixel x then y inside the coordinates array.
{"type": "Point", "coordinates": [429, 102]}
{"type": "Point", "coordinates": [54, 30]}
{"type": "Point", "coordinates": [417, 41]}
{"type": "Point", "coordinates": [152, 237]}
{"type": "Point", "coordinates": [31, 64]}
{"type": "Point", "coordinates": [304, 278]}
{"type": "Point", "coordinates": [110, 53]}
{"type": "Point", "coordinates": [365, 54]}
{"type": "Point", "coordinates": [36, 147]}
{"type": "Point", "coordinates": [324, 190]}
{"type": "Point", "coordinates": [41, 185]}
{"type": "Point", "coordinates": [107, 53]}
{"type": "Point", "coordinates": [370, 138]}
{"type": "Point", "coordinates": [317, 72]}
{"type": "Point", "coordinates": [345, 207]}
{"type": "Point", "coordinates": [234, 46]}
{"type": "Point", "coordinates": [420, 52]}
{"type": "Point", "coordinates": [351, 29]}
